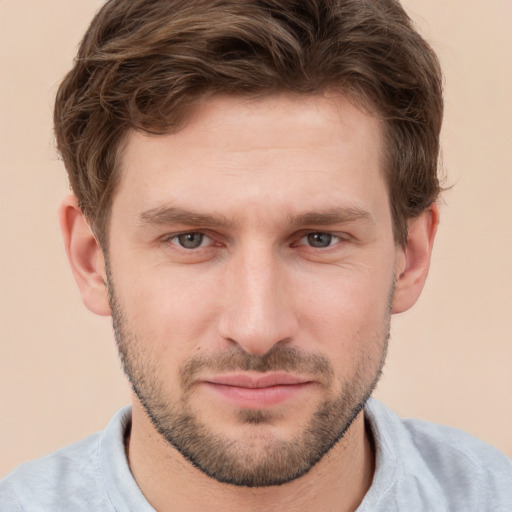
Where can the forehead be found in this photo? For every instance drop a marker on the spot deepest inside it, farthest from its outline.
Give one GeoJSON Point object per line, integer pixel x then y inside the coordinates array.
{"type": "Point", "coordinates": [285, 151]}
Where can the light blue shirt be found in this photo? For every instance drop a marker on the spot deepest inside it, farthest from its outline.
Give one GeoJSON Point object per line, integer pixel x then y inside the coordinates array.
{"type": "Point", "coordinates": [419, 467]}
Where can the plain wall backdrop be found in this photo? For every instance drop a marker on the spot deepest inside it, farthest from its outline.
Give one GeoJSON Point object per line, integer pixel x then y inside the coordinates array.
{"type": "Point", "coordinates": [450, 357]}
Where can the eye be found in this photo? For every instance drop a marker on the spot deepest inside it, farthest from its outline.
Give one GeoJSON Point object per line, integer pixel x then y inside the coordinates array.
{"type": "Point", "coordinates": [190, 240]}
{"type": "Point", "coordinates": [319, 240]}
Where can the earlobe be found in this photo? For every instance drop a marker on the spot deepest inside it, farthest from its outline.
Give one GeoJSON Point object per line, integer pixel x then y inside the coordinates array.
{"type": "Point", "coordinates": [85, 256]}
{"type": "Point", "coordinates": [413, 260]}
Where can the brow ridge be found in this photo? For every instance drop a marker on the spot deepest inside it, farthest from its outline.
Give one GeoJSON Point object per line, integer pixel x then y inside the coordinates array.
{"type": "Point", "coordinates": [332, 216]}
{"type": "Point", "coordinates": [173, 215]}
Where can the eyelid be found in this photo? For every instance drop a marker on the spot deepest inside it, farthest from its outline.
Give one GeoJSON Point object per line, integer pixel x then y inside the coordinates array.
{"type": "Point", "coordinates": [340, 238]}
{"type": "Point", "coordinates": [296, 241]}
{"type": "Point", "coordinates": [171, 238]}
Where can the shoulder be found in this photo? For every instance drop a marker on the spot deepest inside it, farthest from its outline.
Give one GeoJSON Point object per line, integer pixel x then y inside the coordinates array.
{"type": "Point", "coordinates": [439, 443]}
{"type": "Point", "coordinates": [447, 465]}
{"type": "Point", "coordinates": [79, 477]}
{"type": "Point", "coordinates": [48, 482]}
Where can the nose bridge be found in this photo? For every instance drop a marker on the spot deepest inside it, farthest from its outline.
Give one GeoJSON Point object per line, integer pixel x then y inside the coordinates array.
{"type": "Point", "coordinates": [258, 312]}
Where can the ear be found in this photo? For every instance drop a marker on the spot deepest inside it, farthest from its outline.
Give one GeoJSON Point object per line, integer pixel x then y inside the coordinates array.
{"type": "Point", "coordinates": [85, 256]}
{"type": "Point", "coordinates": [413, 259]}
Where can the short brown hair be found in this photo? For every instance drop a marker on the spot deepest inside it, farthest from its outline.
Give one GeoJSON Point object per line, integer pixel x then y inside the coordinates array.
{"type": "Point", "coordinates": [143, 64]}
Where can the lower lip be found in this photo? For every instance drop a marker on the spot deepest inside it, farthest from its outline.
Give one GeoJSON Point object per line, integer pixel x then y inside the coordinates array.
{"type": "Point", "coordinates": [258, 398]}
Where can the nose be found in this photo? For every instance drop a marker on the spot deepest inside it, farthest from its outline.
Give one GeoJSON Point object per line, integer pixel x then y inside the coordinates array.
{"type": "Point", "coordinates": [258, 307]}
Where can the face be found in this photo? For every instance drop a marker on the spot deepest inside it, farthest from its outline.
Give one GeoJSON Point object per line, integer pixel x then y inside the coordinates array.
{"type": "Point", "coordinates": [251, 268]}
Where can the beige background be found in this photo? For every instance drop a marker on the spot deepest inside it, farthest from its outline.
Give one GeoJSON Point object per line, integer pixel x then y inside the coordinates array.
{"type": "Point", "coordinates": [450, 359]}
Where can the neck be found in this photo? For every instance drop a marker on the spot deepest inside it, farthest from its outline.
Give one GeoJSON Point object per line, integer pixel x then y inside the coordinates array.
{"type": "Point", "coordinates": [169, 482]}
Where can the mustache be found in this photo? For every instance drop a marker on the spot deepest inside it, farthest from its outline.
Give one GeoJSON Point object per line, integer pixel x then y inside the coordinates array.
{"type": "Point", "coordinates": [278, 359]}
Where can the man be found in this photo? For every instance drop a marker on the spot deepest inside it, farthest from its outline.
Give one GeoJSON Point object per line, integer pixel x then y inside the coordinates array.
{"type": "Point", "coordinates": [254, 194]}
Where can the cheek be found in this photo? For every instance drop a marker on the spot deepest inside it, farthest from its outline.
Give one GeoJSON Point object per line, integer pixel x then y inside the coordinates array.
{"type": "Point", "coordinates": [171, 311]}
{"type": "Point", "coordinates": [175, 309]}
{"type": "Point", "coordinates": [350, 294]}
{"type": "Point", "coordinates": [347, 316]}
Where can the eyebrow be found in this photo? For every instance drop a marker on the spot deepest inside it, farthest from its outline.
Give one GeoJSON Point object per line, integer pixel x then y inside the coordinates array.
{"type": "Point", "coordinates": [165, 216]}
{"type": "Point", "coordinates": [162, 216]}
{"type": "Point", "coordinates": [332, 216]}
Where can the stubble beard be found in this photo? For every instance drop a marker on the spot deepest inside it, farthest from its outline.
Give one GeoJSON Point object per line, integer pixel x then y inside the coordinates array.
{"type": "Point", "coordinates": [251, 462]}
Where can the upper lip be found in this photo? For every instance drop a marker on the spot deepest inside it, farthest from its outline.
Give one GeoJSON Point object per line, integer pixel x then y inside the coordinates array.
{"type": "Point", "coordinates": [244, 380]}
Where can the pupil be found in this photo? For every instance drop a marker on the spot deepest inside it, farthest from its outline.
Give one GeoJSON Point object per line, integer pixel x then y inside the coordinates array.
{"type": "Point", "coordinates": [319, 239]}
{"type": "Point", "coordinates": [190, 240]}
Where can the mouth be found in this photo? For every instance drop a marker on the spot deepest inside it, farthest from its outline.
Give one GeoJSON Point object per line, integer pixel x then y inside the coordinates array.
{"type": "Point", "coordinates": [257, 391]}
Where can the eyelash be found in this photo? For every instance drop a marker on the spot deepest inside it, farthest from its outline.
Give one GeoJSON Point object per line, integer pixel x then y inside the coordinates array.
{"type": "Point", "coordinates": [174, 240]}
{"type": "Point", "coordinates": [332, 237]}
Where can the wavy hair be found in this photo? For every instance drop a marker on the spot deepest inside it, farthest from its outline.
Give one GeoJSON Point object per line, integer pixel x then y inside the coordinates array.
{"type": "Point", "coordinates": [143, 64]}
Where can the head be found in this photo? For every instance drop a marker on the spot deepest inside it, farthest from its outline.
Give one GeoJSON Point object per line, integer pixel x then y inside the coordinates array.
{"type": "Point", "coordinates": [254, 182]}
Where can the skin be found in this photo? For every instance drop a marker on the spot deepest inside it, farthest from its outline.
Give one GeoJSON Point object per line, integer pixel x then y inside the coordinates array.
{"type": "Point", "coordinates": [270, 172]}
